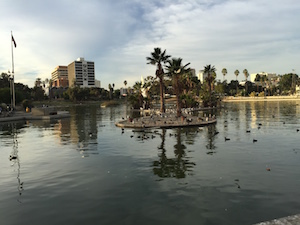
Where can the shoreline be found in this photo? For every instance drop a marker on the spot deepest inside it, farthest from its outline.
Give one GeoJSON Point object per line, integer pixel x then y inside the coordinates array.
{"type": "Point", "coordinates": [266, 98]}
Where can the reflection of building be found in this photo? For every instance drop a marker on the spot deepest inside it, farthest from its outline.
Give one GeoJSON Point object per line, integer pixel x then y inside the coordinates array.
{"type": "Point", "coordinates": [60, 77]}
{"type": "Point", "coordinates": [81, 73]}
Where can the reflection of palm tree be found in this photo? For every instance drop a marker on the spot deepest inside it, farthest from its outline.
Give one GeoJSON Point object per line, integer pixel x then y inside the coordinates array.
{"type": "Point", "coordinates": [211, 135]}
{"type": "Point", "coordinates": [16, 160]}
{"type": "Point", "coordinates": [172, 167]}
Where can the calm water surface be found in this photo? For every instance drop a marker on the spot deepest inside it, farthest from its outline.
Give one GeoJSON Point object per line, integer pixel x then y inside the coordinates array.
{"type": "Point", "coordinates": [84, 170]}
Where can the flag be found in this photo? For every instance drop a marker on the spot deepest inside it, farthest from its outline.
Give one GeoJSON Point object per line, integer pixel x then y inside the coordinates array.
{"type": "Point", "coordinates": [13, 40]}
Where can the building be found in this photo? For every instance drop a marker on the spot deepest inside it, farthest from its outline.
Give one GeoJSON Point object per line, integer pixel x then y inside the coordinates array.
{"type": "Point", "coordinates": [193, 72]}
{"type": "Point", "coordinates": [270, 76]}
{"type": "Point", "coordinates": [60, 77]}
{"type": "Point", "coordinates": [97, 83]}
{"type": "Point", "coordinates": [201, 76]}
{"type": "Point", "coordinates": [81, 73]}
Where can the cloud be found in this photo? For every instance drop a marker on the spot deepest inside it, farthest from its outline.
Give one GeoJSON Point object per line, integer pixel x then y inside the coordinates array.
{"type": "Point", "coordinates": [119, 35]}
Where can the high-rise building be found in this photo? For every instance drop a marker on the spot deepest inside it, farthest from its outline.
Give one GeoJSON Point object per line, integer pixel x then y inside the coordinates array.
{"type": "Point", "coordinates": [81, 73]}
{"type": "Point", "coordinates": [202, 76]}
{"type": "Point", "coordinates": [60, 77]}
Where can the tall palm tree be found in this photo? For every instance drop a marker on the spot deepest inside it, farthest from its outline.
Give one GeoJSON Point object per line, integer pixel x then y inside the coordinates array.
{"type": "Point", "coordinates": [138, 90]}
{"type": "Point", "coordinates": [224, 71]}
{"type": "Point", "coordinates": [210, 71]}
{"type": "Point", "coordinates": [176, 70]}
{"type": "Point", "coordinates": [157, 58]}
{"type": "Point", "coordinates": [110, 91]}
{"type": "Point", "coordinates": [245, 72]}
{"type": "Point", "coordinates": [236, 72]}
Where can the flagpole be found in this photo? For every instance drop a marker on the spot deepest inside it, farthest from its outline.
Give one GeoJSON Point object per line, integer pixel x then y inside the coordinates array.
{"type": "Point", "coordinates": [13, 74]}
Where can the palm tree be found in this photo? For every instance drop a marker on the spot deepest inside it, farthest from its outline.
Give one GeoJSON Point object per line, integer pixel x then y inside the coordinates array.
{"type": "Point", "coordinates": [157, 58]}
{"type": "Point", "coordinates": [236, 72]}
{"type": "Point", "coordinates": [210, 71]}
{"type": "Point", "coordinates": [176, 70]}
{"type": "Point", "coordinates": [245, 72]}
{"type": "Point", "coordinates": [224, 71]}
{"type": "Point", "coordinates": [138, 90]}
{"type": "Point", "coordinates": [110, 91]}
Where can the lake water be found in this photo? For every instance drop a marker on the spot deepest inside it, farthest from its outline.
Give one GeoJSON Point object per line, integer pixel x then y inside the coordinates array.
{"type": "Point", "coordinates": [84, 170]}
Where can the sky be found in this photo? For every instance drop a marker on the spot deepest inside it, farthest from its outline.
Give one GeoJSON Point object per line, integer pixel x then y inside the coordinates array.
{"type": "Point", "coordinates": [118, 35]}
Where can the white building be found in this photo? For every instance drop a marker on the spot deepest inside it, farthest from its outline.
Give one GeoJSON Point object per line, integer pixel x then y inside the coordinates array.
{"type": "Point", "coordinates": [97, 83]}
{"type": "Point", "coordinates": [270, 76]}
{"type": "Point", "coordinates": [81, 73]}
{"type": "Point", "coordinates": [201, 76]}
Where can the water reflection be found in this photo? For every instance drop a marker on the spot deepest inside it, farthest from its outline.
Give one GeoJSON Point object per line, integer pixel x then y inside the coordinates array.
{"type": "Point", "coordinates": [210, 137]}
{"type": "Point", "coordinates": [14, 158]}
{"type": "Point", "coordinates": [177, 166]}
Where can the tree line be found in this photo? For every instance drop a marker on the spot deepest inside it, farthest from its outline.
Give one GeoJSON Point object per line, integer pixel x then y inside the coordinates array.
{"type": "Point", "coordinates": [175, 78]}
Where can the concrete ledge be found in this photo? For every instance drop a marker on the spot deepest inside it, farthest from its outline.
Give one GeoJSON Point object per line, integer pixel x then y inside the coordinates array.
{"type": "Point", "coordinates": [290, 220]}
{"type": "Point", "coordinates": [44, 111]}
{"type": "Point", "coordinates": [29, 116]}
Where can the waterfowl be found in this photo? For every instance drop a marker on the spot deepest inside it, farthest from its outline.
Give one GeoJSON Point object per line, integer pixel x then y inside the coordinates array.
{"type": "Point", "coordinates": [254, 140]}
{"type": "Point", "coordinates": [248, 131]}
{"type": "Point", "coordinates": [11, 157]}
{"type": "Point", "coordinates": [227, 139]}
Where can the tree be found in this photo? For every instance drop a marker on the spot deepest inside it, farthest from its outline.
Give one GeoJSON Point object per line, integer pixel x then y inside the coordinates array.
{"type": "Point", "coordinates": [245, 72]}
{"type": "Point", "coordinates": [136, 99]}
{"type": "Point", "coordinates": [176, 70]}
{"type": "Point", "coordinates": [110, 89]}
{"type": "Point", "coordinates": [224, 71]}
{"type": "Point", "coordinates": [210, 71]}
{"type": "Point", "coordinates": [236, 72]}
{"type": "Point", "coordinates": [38, 82]}
{"type": "Point", "coordinates": [157, 58]}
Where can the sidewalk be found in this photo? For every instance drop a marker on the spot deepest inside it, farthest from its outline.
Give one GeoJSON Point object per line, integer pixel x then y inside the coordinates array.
{"type": "Point", "coordinates": [20, 115]}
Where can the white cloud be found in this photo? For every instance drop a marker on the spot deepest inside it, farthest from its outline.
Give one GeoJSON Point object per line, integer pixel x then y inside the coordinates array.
{"type": "Point", "coordinates": [119, 35]}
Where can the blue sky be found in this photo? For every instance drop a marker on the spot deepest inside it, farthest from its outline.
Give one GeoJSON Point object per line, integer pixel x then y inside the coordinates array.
{"type": "Point", "coordinates": [118, 35]}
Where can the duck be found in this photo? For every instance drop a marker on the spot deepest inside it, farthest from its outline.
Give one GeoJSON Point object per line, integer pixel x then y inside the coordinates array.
{"type": "Point", "coordinates": [248, 131]}
{"type": "Point", "coordinates": [227, 139]}
{"type": "Point", "coordinates": [254, 140]}
{"type": "Point", "coordinates": [11, 157]}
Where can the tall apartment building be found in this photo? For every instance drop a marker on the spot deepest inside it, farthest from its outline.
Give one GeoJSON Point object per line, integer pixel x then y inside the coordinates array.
{"type": "Point", "coordinates": [201, 76]}
{"type": "Point", "coordinates": [60, 77]}
{"type": "Point", "coordinates": [81, 73]}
